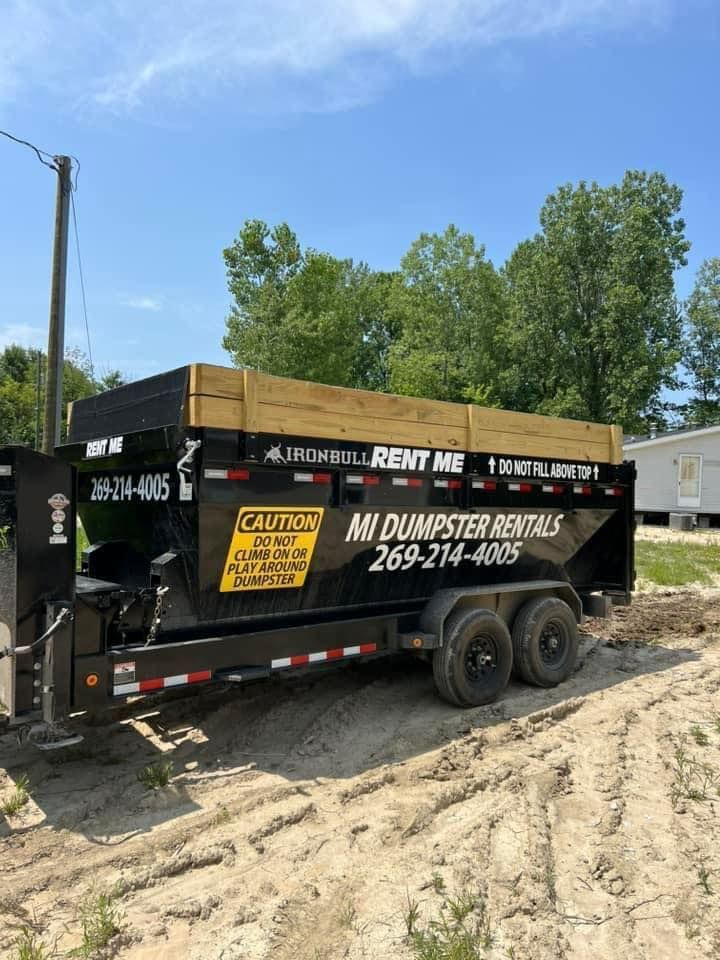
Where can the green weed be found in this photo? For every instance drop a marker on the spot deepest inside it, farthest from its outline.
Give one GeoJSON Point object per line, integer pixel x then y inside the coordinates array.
{"type": "Point", "coordinates": [460, 932]}
{"type": "Point", "coordinates": [18, 798]}
{"type": "Point", "coordinates": [704, 881]}
{"type": "Point", "coordinates": [699, 736]}
{"type": "Point", "coordinates": [156, 775]}
{"type": "Point", "coordinates": [28, 947]}
{"type": "Point", "coordinates": [438, 883]}
{"type": "Point", "coordinates": [100, 920]}
{"type": "Point", "coordinates": [347, 915]}
{"type": "Point", "coordinates": [411, 915]}
{"type": "Point", "coordinates": [693, 779]}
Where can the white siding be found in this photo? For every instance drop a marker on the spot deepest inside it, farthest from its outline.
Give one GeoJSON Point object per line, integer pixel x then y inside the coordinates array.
{"type": "Point", "coordinates": [657, 467]}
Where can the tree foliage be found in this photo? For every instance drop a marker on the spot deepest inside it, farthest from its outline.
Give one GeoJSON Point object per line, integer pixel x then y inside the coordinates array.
{"type": "Point", "coordinates": [305, 314]}
{"type": "Point", "coordinates": [582, 321]}
{"type": "Point", "coordinates": [450, 301]}
{"type": "Point", "coordinates": [22, 404]}
{"type": "Point", "coordinates": [594, 328]}
{"type": "Point", "coordinates": [701, 346]}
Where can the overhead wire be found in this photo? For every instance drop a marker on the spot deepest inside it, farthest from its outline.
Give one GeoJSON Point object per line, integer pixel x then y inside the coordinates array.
{"type": "Point", "coordinates": [52, 163]}
{"type": "Point", "coordinates": [40, 153]}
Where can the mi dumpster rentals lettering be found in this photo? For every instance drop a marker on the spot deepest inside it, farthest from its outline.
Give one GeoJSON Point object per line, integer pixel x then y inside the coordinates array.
{"type": "Point", "coordinates": [427, 541]}
{"type": "Point", "coordinates": [271, 548]}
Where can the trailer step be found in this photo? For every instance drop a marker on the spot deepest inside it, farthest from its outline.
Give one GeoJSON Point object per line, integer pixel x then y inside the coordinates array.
{"type": "Point", "coordinates": [242, 674]}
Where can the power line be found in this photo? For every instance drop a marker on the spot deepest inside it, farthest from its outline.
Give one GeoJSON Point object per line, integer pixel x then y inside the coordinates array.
{"type": "Point", "coordinates": [82, 280]}
{"type": "Point", "coordinates": [40, 153]}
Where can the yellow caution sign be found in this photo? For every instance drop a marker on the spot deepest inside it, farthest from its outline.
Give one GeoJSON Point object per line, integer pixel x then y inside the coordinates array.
{"type": "Point", "coordinates": [271, 548]}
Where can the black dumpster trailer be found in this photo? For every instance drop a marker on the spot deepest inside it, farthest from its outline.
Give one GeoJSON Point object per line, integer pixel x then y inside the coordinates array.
{"type": "Point", "coordinates": [241, 524]}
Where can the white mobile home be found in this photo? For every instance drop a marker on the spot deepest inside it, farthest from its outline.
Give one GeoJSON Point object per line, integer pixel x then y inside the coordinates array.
{"type": "Point", "coordinates": [678, 472]}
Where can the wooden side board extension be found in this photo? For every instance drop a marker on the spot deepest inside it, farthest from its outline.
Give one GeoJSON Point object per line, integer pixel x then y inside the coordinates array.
{"type": "Point", "coordinates": [257, 403]}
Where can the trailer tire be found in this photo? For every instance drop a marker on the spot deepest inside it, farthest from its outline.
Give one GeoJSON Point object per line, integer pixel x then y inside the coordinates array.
{"type": "Point", "coordinates": [545, 641]}
{"type": "Point", "coordinates": [473, 665]}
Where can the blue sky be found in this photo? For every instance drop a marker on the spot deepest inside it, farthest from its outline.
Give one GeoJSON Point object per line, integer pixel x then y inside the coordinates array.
{"type": "Point", "coordinates": [359, 123]}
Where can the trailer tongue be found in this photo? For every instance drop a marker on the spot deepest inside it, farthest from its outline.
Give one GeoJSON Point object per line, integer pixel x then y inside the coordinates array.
{"type": "Point", "coordinates": [241, 524]}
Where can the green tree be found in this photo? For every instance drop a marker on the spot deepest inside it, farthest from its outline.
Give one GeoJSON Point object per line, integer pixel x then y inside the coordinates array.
{"type": "Point", "coordinates": [449, 304]}
{"type": "Point", "coordinates": [594, 330]}
{"type": "Point", "coordinates": [19, 397]}
{"type": "Point", "coordinates": [701, 346]}
{"type": "Point", "coordinates": [305, 314]}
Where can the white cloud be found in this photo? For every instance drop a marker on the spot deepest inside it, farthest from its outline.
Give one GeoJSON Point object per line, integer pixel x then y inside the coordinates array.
{"type": "Point", "coordinates": [142, 303]}
{"type": "Point", "coordinates": [324, 54]}
{"type": "Point", "coordinates": [23, 334]}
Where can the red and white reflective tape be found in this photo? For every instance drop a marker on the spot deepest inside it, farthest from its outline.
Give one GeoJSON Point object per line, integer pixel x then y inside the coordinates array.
{"type": "Point", "coordinates": [160, 683]}
{"type": "Point", "coordinates": [407, 481]}
{"type": "Point", "coordinates": [229, 474]}
{"type": "Point", "coordinates": [313, 477]}
{"type": "Point", "coordinates": [364, 479]}
{"type": "Point", "coordinates": [321, 656]}
{"type": "Point", "coordinates": [520, 487]}
{"type": "Point", "coordinates": [489, 485]}
{"type": "Point", "coordinates": [556, 488]}
{"type": "Point", "coordinates": [614, 491]}
{"type": "Point", "coordinates": [449, 484]}
{"type": "Point", "coordinates": [584, 490]}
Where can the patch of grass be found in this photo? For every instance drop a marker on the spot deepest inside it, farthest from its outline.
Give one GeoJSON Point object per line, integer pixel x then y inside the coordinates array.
{"type": "Point", "coordinates": [704, 881]}
{"type": "Point", "coordinates": [29, 947]}
{"type": "Point", "coordinates": [438, 883]}
{"type": "Point", "coordinates": [411, 915]}
{"type": "Point", "coordinates": [156, 775]}
{"type": "Point", "coordinates": [676, 564]}
{"type": "Point", "coordinates": [347, 915]}
{"type": "Point", "coordinates": [100, 919]}
{"type": "Point", "coordinates": [4, 538]}
{"type": "Point", "coordinates": [699, 736]}
{"type": "Point", "coordinates": [693, 779]}
{"type": "Point", "coordinates": [18, 798]}
{"type": "Point", "coordinates": [460, 932]}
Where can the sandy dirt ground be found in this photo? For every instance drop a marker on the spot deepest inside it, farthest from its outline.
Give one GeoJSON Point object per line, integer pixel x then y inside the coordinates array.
{"type": "Point", "coordinates": [306, 814]}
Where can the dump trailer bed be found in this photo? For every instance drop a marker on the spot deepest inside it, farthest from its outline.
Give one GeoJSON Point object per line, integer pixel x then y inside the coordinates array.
{"type": "Point", "coordinates": [241, 523]}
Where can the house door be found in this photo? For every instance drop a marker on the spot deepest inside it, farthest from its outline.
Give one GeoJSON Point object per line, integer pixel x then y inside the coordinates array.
{"type": "Point", "coordinates": [689, 480]}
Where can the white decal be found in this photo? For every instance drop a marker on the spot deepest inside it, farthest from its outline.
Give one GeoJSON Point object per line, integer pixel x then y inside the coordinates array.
{"type": "Point", "coordinates": [541, 469]}
{"type": "Point", "coordinates": [58, 501]}
{"type": "Point", "coordinates": [56, 539]}
{"type": "Point", "coordinates": [273, 455]}
{"type": "Point", "coordinates": [58, 528]}
{"type": "Point", "coordinates": [146, 487]}
{"type": "Point", "coordinates": [106, 447]}
{"type": "Point", "coordinates": [58, 516]}
{"type": "Point", "coordinates": [431, 540]}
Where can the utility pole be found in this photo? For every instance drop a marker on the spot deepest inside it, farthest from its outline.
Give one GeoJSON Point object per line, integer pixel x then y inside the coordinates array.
{"type": "Point", "coordinates": [56, 331]}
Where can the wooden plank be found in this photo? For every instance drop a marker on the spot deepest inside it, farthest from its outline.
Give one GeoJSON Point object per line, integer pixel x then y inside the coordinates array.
{"type": "Point", "coordinates": [246, 400]}
{"type": "Point", "coordinates": [492, 441]}
{"type": "Point", "coordinates": [616, 444]}
{"type": "Point", "coordinates": [274, 418]}
{"type": "Point", "coordinates": [216, 381]}
{"type": "Point", "coordinates": [250, 388]}
{"type": "Point", "coordinates": [319, 397]}
{"type": "Point", "coordinates": [509, 421]}
{"type": "Point", "coordinates": [222, 412]}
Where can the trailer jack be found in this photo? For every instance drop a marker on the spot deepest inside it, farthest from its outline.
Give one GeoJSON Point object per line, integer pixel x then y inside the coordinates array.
{"type": "Point", "coordinates": [48, 734]}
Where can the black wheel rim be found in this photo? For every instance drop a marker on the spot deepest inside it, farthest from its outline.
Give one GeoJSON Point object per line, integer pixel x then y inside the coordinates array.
{"type": "Point", "coordinates": [553, 644]}
{"type": "Point", "coordinates": [481, 657]}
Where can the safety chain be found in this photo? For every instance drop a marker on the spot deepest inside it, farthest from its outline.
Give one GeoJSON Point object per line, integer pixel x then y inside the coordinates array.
{"type": "Point", "coordinates": [157, 615]}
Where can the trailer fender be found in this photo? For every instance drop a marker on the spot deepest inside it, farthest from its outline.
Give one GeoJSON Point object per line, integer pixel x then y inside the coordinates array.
{"type": "Point", "coordinates": [504, 599]}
